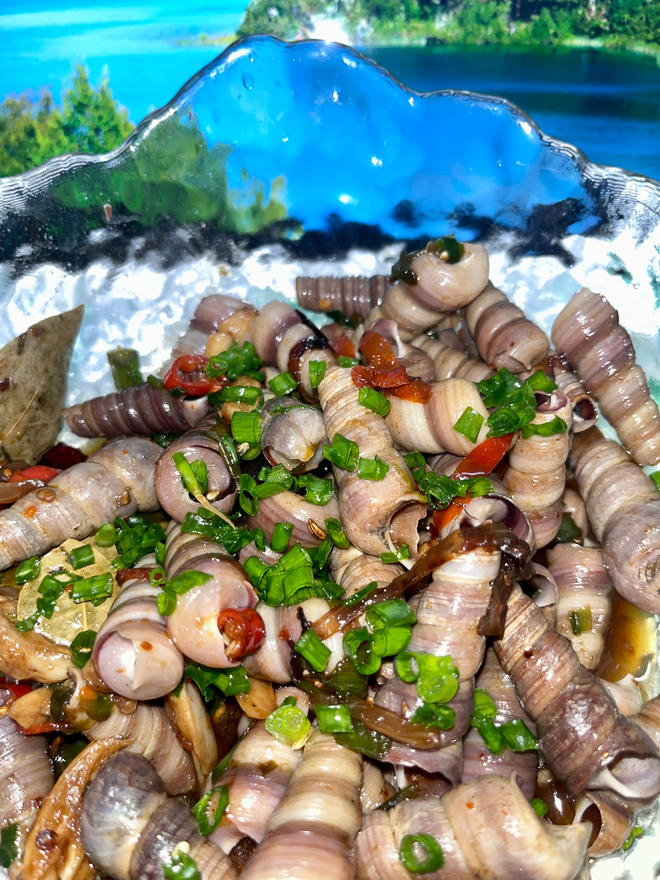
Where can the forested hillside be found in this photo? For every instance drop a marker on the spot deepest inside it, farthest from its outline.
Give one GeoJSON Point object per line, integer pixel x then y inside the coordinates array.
{"type": "Point", "coordinates": [475, 22]}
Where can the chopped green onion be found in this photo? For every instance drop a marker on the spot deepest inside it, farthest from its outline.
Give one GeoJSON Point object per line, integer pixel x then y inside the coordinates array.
{"type": "Point", "coordinates": [278, 475]}
{"type": "Point", "coordinates": [236, 394]}
{"type": "Point", "coordinates": [469, 424]}
{"type": "Point", "coordinates": [157, 576]}
{"type": "Point", "coordinates": [316, 372]}
{"type": "Point", "coordinates": [344, 361]}
{"type": "Point", "coordinates": [310, 646]}
{"type": "Point", "coordinates": [392, 612]}
{"type": "Point", "coordinates": [95, 589]}
{"type": "Point", "coordinates": [81, 647]}
{"type": "Point", "coordinates": [434, 715]}
{"type": "Point", "coordinates": [27, 570]}
{"type": "Point", "coordinates": [247, 499]}
{"type": "Point", "coordinates": [343, 453]}
{"type": "Point", "coordinates": [580, 620]}
{"type": "Point", "coordinates": [484, 707]}
{"type": "Point", "coordinates": [210, 526]}
{"type": "Point", "coordinates": [188, 477]}
{"type": "Point", "coordinates": [256, 570]}
{"type": "Point", "coordinates": [365, 741]}
{"type": "Point", "coordinates": [80, 557]}
{"type": "Point", "coordinates": [246, 427]}
{"type": "Point", "coordinates": [184, 581]}
{"type": "Point", "coordinates": [334, 528]}
{"type": "Point", "coordinates": [8, 844]}
{"type": "Point", "coordinates": [437, 681]}
{"type": "Point", "coordinates": [281, 535]}
{"type": "Point", "coordinates": [230, 681]}
{"type": "Point", "coordinates": [318, 490]}
{"type": "Point", "coordinates": [236, 361]}
{"type": "Point", "coordinates": [390, 641]}
{"type": "Point", "coordinates": [545, 429]}
{"type": "Point", "coordinates": [635, 832]}
{"type": "Point", "coordinates": [358, 645]}
{"type": "Point", "coordinates": [449, 248]}
{"type": "Point", "coordinates": [420, 853]}
{"type": "Point", "coordinates": [334, 719]}
{"type": "Point", "coordinates": [164, 440]}
{"type": "Point", "coordinates": [181, 867]}
{"type": "Point", "coordinates": [372, 469]}
{"type": "Point", "coordinates": [205, 826]}
{"type": "Point", "coordinates": [540, 381]}
{"type": "Point", "coordinates": [517, 736]}
{"type": "Point", "coordinates": [568, 530]}
{"type": "Point", "coordinates": [540, 807]}
{"type": "Point", "coordinates": [289, 725]}
{"type": "Point", "coordinates": [491, 734]}
{"type": "Point", "coordinates": [125, 367]}
{"type": "Point", "coordinates": [99, 708]}
{"type": "Point", "coordinates": [407, 667]}
{"type": "Point", "coordinates": [361, 594]}
{"type": "Point", "coordinates": [655, 476]}
{"type": "Point", "coordinates": [282, 384]}
{"type": "Point", "coordinates": [373, 400]}
{"type": "Point", "coordinates": [165, 603]}
{"type": "Point", "coordinates": [28, 623]}
{"type": "Point", "coordinates": [402, 552]}
{"type": "Point", "coordinates": [107, 535]}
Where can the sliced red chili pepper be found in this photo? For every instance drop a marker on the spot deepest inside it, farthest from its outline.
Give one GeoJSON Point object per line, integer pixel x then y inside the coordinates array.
{"type": "Point", "coordinates": [130, 574]}
{"type": "Point", "coordinates": [188, 373]}
{"type": "Point", "coordinates": [244, 627]}
{"type": "Point", "coordinates": [45, 727]}
{"type": "Point", "coordinates": [484, 457]}
{"type": "Point", "coordinates": [415, 390]}
{"type": "Point", "coordinates": [377, 350]}
{"type": "Point", "coordinates": [442, 518]}
{"type": "Point", "coordinates": [361, 376]}
{"type": "Point", "coordinates": [17, 688]}
{"type": "Point", "coordinates": [393, 377]}
{"type": "Point", "coordinates": [35, 472]}
{"type": "Point", "coordinates": [342, 346]}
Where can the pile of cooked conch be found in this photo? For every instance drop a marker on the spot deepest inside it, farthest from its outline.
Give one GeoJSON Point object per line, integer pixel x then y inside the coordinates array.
{"type": "Point", "coordinates": [341, 597]}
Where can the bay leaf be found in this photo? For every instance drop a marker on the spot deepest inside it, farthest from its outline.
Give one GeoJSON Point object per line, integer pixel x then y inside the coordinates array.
{"type": "Point", "coordinates": [33, 373]}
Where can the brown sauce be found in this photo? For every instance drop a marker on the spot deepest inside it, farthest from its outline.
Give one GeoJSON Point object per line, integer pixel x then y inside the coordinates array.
{"type": "Point", "coordinates": [630, 642]}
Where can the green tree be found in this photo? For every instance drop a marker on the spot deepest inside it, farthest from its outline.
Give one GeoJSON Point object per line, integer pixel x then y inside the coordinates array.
{"type": "Point", "coordinates": [89, 121]}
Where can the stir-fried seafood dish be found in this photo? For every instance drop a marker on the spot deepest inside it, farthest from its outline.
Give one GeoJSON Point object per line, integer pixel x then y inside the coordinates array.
{"type": "Point", "coordinates": [339, 599]}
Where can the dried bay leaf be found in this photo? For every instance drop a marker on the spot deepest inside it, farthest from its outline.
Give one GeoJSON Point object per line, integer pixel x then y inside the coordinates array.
{"type": "Point", "coordinates": [33, 371]}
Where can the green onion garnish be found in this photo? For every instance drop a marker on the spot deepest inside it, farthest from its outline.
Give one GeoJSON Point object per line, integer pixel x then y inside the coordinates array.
{"type": "Point", "coordinates": [107, 535]}
{"type": "Point", "coordinates": [8, 844]}
{"type": "Point", "coordinates": [343, 453]}
{"type": "Point", "coordinates": [80, 557]}
{"type": "Point", "coordinates": [373, 400]}
{"type": "Point", "coordinates": [236, 361]}
{"type": "Point", "coordinates": [95, 589]}
{"type": "Point", "coordinates": [580, 620]}
{"type": "Point", "coordinates": [282, 384]}
{"type": "Point", "coordinates": [334, 719]}
{"type": "Point", "coordinates": [437, 681]}
{"type": "Point", "coordinates": [655, 476]}
{"type": "Point", "coordinates": [188, 475]}
{"type": "Point", "coordinates": [358, 645]}
{"type": "Point", "coordinates": [372, 469]}
{"type": "Point", "coordinates": [334, 528]}
{"type": "Point", "coordinates": [635, 832]}
{"type": "Point", "coordinates": [316, 372]}
{"type": "Point", "coordinates": [469, 424]}
{"type": "Point", "coordinates": [181, 867]}
{"type": "Point", "coordinates": [517, 736]}
{"type": "Point", "coordinates": [318, 490]}
{"type": "Point", "coordinates": [199, 810]}
{"type": "Point", "coordinates": [434, 715]}
{"type": "Point", "coordinates": [81, 647]}
{"type": "Point", "coordinates": [514, 404]}
{"type": "Point", "coordinates": [540, 807]}
{"type": "Point", "coordinates": [281, 535]}
{"type": "Point", "coordinates": [236, 394]}
{"type": "Point", "coordinates": [492, 736]}
{"type": "Point", "coordinates": [229, 681]}
{"type": "Point", "coordinates": [344, 361]}
{"type": "Point", "coordinates": [310, 646]}
{"type": "Point", "coordinates": [420, 853]}
{"type": "Point", "coordinates": [247, 499]}
{"type": "Point", "coordinates": [402, 552]}
{"type": "Point", "coordinates": [246, 427]}
{"type": "Point", "coordinates": [125, 367]}
{"type": "Point", "coordinates": [392, 612]}
{"type": "Point", "coordinates": [361, 594]}
{"type": "Point", "coordinates": [178, 585]}
{"type": "Point", "coordinates": [568, 530]}
{"type": "Point", "coordinates": [449, 248]}
{"type": "Point", "coordinates": [484, 707]}
{"type": "Point", "coordinates": [544, 429]}
{"type": "Point", "coordinates": [27, 570]}
{"type": "Point", "coordinates": [289, 725]}
{"type": "Point", "coordinates": [390, 641]}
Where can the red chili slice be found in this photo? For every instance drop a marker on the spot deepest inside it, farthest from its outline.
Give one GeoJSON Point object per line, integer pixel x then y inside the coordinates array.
{"type": "Point", "coordinates": [342, 346]}
{"type": "Point", "coordinates": [17, 688]}
{"type": "Point", "coordinates": [415, 390]}
{"type": "Point", "coordinates": [188, 373]}
{"type": "Point", "coordinates": [130, 574]}
{"type": "Point", "coordinates": [377, 350]}
{"type": "Point", "coordinates": [244, 627]}
{"type": "Point", "coordinates": [35, 472]}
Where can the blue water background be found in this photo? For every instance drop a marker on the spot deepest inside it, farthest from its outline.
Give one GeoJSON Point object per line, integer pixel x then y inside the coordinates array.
{"type": "Point", "coordinates": [606, 104]}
